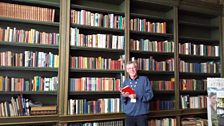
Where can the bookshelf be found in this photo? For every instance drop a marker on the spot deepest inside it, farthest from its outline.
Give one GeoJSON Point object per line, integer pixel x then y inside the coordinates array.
{"type": "Point", "coordinates": [152, 45]}
{"type": "Point", "coordinates": [198, 28]}
{"type": "Point", "coordinates": [95, 58]}
{"type": "Point", "coordinates": [29, 59]}
{"type": "Point", "coordinates": [157, 32]}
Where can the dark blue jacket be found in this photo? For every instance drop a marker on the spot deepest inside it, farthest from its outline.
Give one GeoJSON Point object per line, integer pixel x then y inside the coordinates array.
{"type": "Point", "coordinates": [144, 94]}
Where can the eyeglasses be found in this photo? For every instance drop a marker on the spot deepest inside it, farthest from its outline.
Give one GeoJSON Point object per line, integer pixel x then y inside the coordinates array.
{"type": "Point", "coordinates": [131, 68]}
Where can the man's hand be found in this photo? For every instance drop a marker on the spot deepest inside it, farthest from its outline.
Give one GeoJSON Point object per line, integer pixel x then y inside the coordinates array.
{"type": "Point", "coordinates": [125, 94]}
{"type": "Point", "coordinates": [132, 96]}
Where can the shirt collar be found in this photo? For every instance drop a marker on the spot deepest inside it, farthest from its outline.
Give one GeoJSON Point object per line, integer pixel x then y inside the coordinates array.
{"type": "Point", "coordinates": [134, 79]}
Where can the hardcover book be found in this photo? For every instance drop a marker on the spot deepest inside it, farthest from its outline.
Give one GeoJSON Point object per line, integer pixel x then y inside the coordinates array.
{"type": "Point", "coordinates": [128, 89]}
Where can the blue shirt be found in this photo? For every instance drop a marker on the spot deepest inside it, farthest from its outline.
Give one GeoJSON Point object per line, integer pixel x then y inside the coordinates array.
{"type": "Point", "coordinates": [144, 94]}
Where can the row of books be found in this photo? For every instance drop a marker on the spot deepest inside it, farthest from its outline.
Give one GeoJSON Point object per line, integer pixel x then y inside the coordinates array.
{"type": "Point", "coordinates": [43, 110]}
{"type": "Point", "coordinates": [151, 122]}
{"type": "Point", "coordinates": [163, 85]}
{"type": "Point", "coordinates": [21, 106]}
{"type": "Point", "coordinates": [146, 25]}
{"type": "Point", "coordinates": [28, 36]}
{"type": "Point", "coordinates": [152, 46]}
{"type": "Point", "coordinates": [205, 67]}
{"type": "Point", "coordinates": [37, 83]}
{"type": "Point", "coordinates": [84, 106]}
{"type": "Point", "coordinates": [198, 102]}
{"type": "Point", "coordinates": [193, 84]}
{"type": "Point", "coordinates": [18, 106]}
{"type": "Point", "coordinates": [94, 84]}
{"type": "Point", "coordinates": [194, 121]}
{"type": "Point", "coordinates": [102, 123]}
{"type": "Point", "coordinates": [96, 63]}
{"type": "Point", "coordinates": [96, 40]}
{"type": "Point", "coordinates": [27, 12]}
{"type": "Point", "coordinates": [29, 59]}
{"type": "Point", "coordinates": [85, 17]}
{"type": "Point", "coordinates": [153, 65]}
{"type": "Point", "coordinates": [198, 49]}
{"type": "Point", "coordinates": [162, 122]}
{"type": "Point", "coordinates": [161, 105]}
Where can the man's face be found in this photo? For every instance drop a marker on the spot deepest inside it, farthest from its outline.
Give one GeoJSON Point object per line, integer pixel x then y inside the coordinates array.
{"type": "Point", "coordinates": [132, 70]}
{"type": "Point", "coordinates": [213, 100]}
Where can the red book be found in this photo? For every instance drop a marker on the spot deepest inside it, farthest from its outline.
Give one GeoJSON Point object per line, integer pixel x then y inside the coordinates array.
{"type": "Point", "coordinates": [128, 89]}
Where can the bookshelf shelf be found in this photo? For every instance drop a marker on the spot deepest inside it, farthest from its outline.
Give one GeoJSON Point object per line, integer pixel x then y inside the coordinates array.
{"type": "Point", "coordinates": [155, 72]}
{"type": "Point", "coordinates": [98, 5]}
{"type": "Point", "coordinates": [37, 3]}
{"type": "Point", "coordinates": [161, 6]}
{"type": "Point", "coordinates": [205, 75]}
{"type": "Point", "coordinates": [159, 54]}
{"type": "Point", "coordinates": [26, 119]}
{"type": "Point", "coordinates": [163, 113]}
{"type": "Point", "coordinates": [28, 93]}
{"type": "Point", "coordinates": [199, 58]}
{"type": "Point", "coordinates": [93, 73]}
{"type": "Point", "coordinates": [194, 92]}
{"type": "Point", "coordinates": [94, 93]}
{"type": "Point", "coordinates": [92, 117]}
{"type": "Point", "coordinates": [193, 24]}
{"type": "Point", "coordinates": [51, 24]}
{"type": "Point", "coordinates": [151, 17]}
{"type": "Point", "coordinates": [100, 10]}
{"type": "Point", "coordinates": [193, 111]}
{"type": "Point", "coordinates": [98, 29]}
{"type": "Point", "coordinates": [166, 35]}
{"type": "Point", "coordinates": [184, 37]}
{"type": "Point", "coordinates": [35, 69]}
{"type": "Point", "coordinates": [99, 50]}
{"type": "Point", "coordinates": [96, 71]}
{"type": "Point", "coordinates": [28, 45]}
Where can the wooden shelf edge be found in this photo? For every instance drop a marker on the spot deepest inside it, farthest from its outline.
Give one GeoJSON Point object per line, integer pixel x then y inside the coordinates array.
{"type": "Point", "coordinates": [27, 119]}
{"type": "Point", "coordinates": [97, 28]}
{"type": "Point", "coordinates": [163, 113]}
{"type": "Point", "coordinates": [30, 45]}
{"type": "Point", "coordinates": [35, 2]}
{"type": "Point", "coordinates": [83, 7]}
{"type": "Point", "coordinates": [48, 93]}
{"type": "Point", "coordinates": [79, 48]}
{"type": "Point", "coordinates": [53, 24]}
{"type": "Point", "coordinates": [193, 111]}
{"type": "Point", "coordinates": [14, 68]}
{"type": "Point", "coordinates": [91, 117]}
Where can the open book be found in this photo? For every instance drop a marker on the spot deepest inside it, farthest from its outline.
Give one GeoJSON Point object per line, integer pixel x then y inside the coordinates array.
{"type": "Point", "coordinates": [128, 89]}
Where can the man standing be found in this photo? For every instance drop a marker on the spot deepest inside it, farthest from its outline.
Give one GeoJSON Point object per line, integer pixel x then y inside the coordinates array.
{"type": "Point", "coordinates": [136, 105]}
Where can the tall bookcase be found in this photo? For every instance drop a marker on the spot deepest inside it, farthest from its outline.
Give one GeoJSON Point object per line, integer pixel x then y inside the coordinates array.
{"type": "Point", "coordinates": [200, 55]}
{"type": "Point", "coordinates": [152, 46]}
{"type": "Point", "coordinates": [170, 39]}
{"type": "Point", "coordinates": [29, 59]}
{"type": "Point", "coordinates": [96, 54]}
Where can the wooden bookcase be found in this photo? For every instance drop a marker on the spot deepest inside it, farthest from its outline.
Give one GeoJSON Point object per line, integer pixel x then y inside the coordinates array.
{"type": "Point", "coordinates": [200, 27]}
{"type": "Point", "coordinates": [15, 28]}
{"type": "Point", "coordinates": [186, 21]}
{"type": "Point", "coordinates": [152, 45]}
